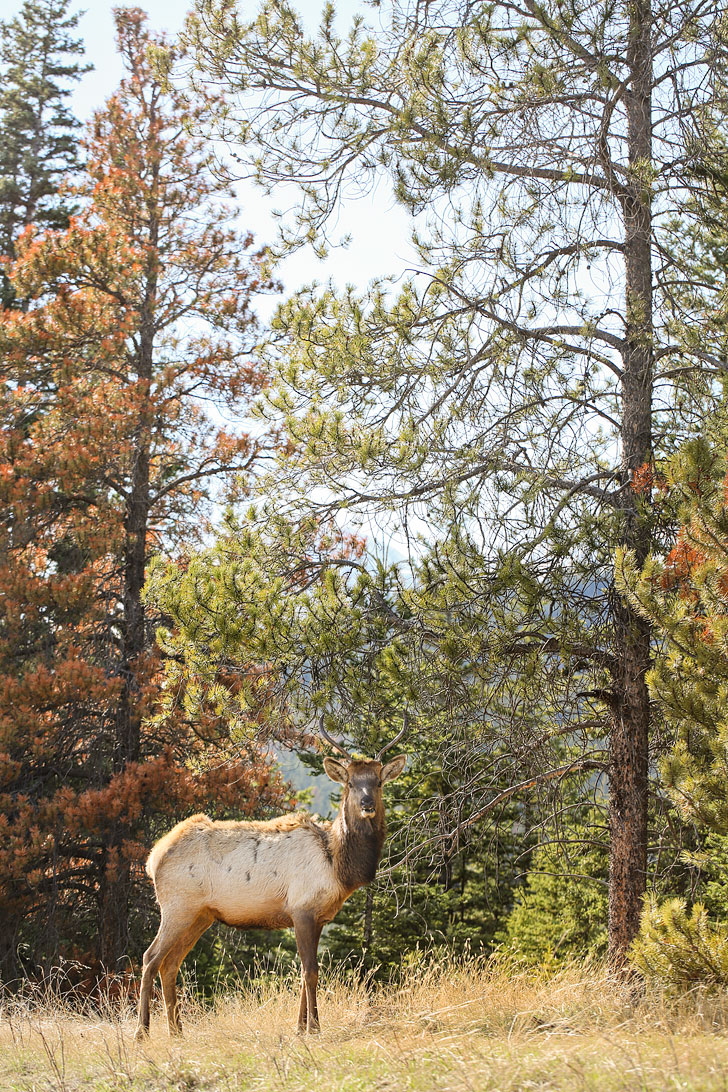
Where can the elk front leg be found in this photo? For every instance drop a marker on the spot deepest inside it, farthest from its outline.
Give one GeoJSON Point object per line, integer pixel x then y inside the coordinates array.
{"type": "Point", "coordinates": [303, 1006]}
{"type": "Point", "coordinates": [308, 931]}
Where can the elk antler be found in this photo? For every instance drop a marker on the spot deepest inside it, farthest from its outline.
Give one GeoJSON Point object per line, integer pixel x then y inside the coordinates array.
{"type": "Point", "coordinates": [397, 738]}
{"type": "Point", "coordinates": [329, 739]}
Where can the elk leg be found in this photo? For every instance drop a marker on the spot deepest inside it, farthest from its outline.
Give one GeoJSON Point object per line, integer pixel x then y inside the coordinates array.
{"type": "Point", "coordinates": [169, 932]}
{"type": "Point", "coordinates": [308, 931]}
{"type": "Point", "coordinates": [170, 967]}
{"type": "Point", "coordinates": [303, 1006]}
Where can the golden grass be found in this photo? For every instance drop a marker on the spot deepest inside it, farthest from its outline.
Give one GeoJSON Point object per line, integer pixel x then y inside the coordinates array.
{"type": "Point", "coordinates": [471, 1026]}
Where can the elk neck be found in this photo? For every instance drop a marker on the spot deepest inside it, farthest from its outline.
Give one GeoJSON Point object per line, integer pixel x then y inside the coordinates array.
{"type": "Point", "coordinates": [356, 844]}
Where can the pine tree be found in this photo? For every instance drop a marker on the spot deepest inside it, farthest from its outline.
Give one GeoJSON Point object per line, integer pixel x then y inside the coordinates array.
{"type": "Point", "coordinates": [682, 587]}
{"type": "Point", "coordinates": [684, 595]}
{"type": "Point", "coordinates": [324, 620]}
{"type": "Point", "coordinates": [679, 948]}
{"type": "Point", "coordinates": [39, 140]}
{"type": "Point", "coordinates": [560, 911]}
{"type": "Point", "coordinates": [137, 314]}
{"type": "Point", "coordinates": [510, 392]}
{"type": "Point", "coordinates": [681, 590]}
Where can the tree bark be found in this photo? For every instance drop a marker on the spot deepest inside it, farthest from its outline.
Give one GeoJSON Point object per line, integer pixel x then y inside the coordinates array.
{"type": "Point", "coordinates": [8, 950]}
{"type": "Point", "coordinates": [116, 871]}
{"type": "Point", "coordinates": [629, 736]}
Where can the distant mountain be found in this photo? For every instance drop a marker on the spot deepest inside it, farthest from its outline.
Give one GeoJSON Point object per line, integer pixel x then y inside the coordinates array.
{"type": "Point", "coordinates": [301, 777]}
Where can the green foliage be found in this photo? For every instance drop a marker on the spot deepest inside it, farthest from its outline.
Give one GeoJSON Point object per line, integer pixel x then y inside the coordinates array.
{"type": "Point", "coordinates": [224, 958]}
{"type": "Point", "coordinates": [685, 593]}
{"type": "Point", "coordinates": [561, 911]}
{"type": "Point", "coordinates": [678, 948]}
{"type": "Point", "coordinates": [684, 596]}
{"type": "Point", "coordinates": [711, 862]}
{"type": "Point", "coordinates": [502, 398]}
{"type": "Point", "coordinates": [39, 145]}
{"type": "Point", "coordinates": [454, 901]}
{"type": "Point", "coordinates": [335, 631]}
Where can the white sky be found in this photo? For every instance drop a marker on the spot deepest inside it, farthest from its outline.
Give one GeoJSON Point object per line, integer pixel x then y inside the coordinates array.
{"type": "Point", "coordinates": [380, 230]}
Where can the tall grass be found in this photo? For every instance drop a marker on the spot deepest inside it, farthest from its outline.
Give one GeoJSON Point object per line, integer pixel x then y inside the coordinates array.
{"type": "Point", "coordinates": [448, 1025]}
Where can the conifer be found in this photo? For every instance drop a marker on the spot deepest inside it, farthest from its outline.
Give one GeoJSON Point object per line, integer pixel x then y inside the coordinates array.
{"type": "Point", "coordinates": [137, 315]}
{"type": "Point", "coordinates": [39, 139]}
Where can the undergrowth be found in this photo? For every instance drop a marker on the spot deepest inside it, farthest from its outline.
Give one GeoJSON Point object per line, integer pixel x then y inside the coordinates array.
{"type": "Point", "coordinates": [446, 1025]}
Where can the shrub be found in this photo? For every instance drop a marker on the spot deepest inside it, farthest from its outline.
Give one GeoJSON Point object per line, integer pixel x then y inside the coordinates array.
{"type": "Point", "coordinates": [677, 948]}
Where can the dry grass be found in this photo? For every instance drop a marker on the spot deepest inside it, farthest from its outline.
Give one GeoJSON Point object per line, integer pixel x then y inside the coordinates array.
{"type": "Point", "coordinates": [449, 1027]}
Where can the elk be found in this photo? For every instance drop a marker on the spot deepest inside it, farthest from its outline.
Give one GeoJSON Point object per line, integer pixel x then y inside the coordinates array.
{"type": "Point", "coordinates": [289, 871]}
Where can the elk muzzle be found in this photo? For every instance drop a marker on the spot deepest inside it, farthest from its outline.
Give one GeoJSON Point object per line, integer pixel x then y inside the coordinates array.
{"type": "Point", "coordinates": [367, 805]}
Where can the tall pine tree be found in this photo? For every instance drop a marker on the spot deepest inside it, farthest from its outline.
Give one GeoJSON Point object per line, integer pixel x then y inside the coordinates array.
{"type": "Point", "coordinates": [39, 139]}
{"type": "Point", "coordinates": [509, 394]}
{"type": "Point", "coordinates": [138, 314]}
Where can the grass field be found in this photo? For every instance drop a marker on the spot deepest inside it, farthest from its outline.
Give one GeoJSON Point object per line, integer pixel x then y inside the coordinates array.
{"type": "Point", "coordinates": [446, 1027]}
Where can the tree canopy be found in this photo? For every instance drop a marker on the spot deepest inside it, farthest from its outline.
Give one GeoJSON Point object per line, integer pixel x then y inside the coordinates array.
{"type": "Point", "coordinates": [541, 397]}
{"type": "Point", "coordinates": [136, 315]}
{"type": "Point", "coordinates": [40, 61]}
{"type": "Point", "coordinates": [508, 398]}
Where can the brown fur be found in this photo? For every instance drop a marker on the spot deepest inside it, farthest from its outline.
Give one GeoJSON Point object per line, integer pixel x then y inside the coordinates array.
{"type": "Point", "coordinates": [356, 846]}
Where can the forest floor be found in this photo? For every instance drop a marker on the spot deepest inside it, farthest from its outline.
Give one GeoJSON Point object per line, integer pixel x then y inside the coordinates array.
{"type": "Point", "coordinates": [467, 1027]}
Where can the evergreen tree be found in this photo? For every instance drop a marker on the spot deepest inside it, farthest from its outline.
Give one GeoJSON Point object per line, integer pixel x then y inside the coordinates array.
{"type": "Point", "coordinates": [680, 948]}
{"type": "Point", "coordinates": [560, 912]}
{"type": "Point", "coordinates": [39, 142]}
{"type": "Point", "coordinates": [684, 596]}
{"type": "Point", "coordinates": [682, 589]}
{"type": "Point", "coordinates": [137, 314]}
{"type": "Point", "coordinates": [509, 395]}
{"type": "Point", "coordinates": [323, 622]}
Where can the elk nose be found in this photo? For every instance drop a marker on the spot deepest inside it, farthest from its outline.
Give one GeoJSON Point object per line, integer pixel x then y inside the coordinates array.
{"type": "Point", "coordinates": [367, 803]}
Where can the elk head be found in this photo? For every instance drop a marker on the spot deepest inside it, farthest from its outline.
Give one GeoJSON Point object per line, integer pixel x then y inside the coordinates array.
{"type": "Point", "coordinates": [363, 778]}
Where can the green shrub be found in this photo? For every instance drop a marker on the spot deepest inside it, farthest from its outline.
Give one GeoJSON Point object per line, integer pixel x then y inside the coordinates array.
{"type": "Point", "coordinates": [561, 911]}
{"type": "Point", "coordinates": [677, 948]}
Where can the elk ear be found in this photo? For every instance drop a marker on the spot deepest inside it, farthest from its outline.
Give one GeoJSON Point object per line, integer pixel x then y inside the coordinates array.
{"type": "Point", "coordinates": [394, 768]}
{"type": "Point", "coordinates": [336, 770]}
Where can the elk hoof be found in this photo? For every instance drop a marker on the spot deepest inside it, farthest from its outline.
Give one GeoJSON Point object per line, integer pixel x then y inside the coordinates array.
{"type": "Point", "coordinates": [141, 1034]}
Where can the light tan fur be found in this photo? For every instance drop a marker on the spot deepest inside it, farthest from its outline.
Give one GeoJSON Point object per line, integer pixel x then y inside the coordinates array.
{"type": "Point", "coordinates": [177, 834]}
{"type": "Point", "coordinates": [246, 874]}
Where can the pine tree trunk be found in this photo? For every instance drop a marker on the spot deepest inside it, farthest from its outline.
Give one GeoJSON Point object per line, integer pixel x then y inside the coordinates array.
{"type": "Point", "coordinates": [630, 721]}
{"type": "Point", "coordinates": [8, 952]}
{"type": "Point", "coordinates": [117, 879]}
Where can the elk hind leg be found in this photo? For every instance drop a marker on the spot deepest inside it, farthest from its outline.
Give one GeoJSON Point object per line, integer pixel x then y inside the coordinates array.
{"type": "Point", "coordinates": [170, 968]}
{"type": "Point", "coordinates": [170, 930]}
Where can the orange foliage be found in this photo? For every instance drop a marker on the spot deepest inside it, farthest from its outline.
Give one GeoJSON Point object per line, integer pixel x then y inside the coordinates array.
{"type": "Point", "coordinates": [681, 562]}
{"type": "Point", "coordinates": [135, 316]}
{"type": "Point", "coordinates": [643, 479]}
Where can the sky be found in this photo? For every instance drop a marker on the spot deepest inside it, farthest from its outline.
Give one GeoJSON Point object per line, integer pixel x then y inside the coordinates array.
{"type": "Point", "coordinates": [379, 228]}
